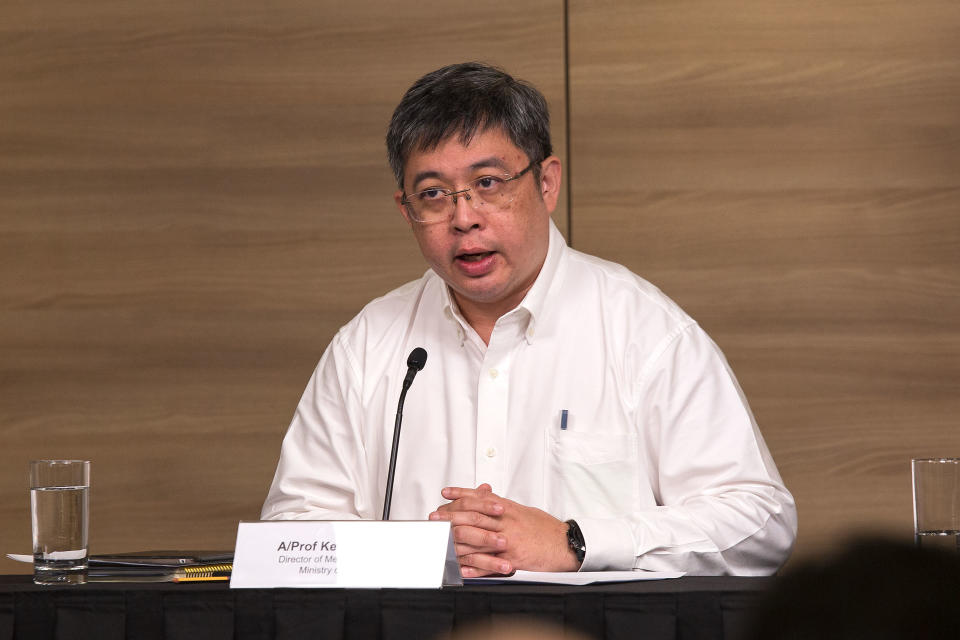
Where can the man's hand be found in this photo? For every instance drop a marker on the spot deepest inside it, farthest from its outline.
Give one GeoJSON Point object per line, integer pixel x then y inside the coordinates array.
{"type": "Point", "coordinates": [493, 535]}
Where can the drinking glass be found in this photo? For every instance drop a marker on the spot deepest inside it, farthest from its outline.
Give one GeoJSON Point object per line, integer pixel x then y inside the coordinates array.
{"type": "Point", "coordinates": [936, 503]}
{"type": "Point", "coordinates": [59, 509]}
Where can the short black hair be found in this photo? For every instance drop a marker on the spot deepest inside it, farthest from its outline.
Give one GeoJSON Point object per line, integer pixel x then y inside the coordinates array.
{"type": "Point", "coordinates": [462, 99]}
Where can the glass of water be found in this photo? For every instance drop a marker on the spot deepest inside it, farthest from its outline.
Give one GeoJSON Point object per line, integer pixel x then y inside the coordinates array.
{"type": "Point", "coordinates": [936, 503]}
{"type": "Point", "coordinates": [59, 509]}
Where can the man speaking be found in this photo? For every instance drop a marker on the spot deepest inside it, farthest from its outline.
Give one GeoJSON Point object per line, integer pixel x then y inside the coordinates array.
{"type": "Point", "coordinates": [571, 415]}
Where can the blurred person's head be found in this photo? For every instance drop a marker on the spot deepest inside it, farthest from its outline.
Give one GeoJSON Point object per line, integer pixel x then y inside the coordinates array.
{"type": "Point", "coordinates": [516, 628]}
{"type": "Point", "coordinates": [873, 588]}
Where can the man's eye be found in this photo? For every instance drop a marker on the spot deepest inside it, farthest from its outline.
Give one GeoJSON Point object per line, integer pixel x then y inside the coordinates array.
{"type": "Point", "coordinates": [488, 183]}
{"type": "Point", "coordinates": [431, 194]}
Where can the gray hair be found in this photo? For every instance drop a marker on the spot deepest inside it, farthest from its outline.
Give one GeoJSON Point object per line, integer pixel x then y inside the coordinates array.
{"type": "Point", "coordinates": [462, 99]}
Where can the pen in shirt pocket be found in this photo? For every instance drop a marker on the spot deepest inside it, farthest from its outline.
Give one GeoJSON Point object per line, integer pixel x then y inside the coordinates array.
{"type": "Point", "coordinates": [563, 419]}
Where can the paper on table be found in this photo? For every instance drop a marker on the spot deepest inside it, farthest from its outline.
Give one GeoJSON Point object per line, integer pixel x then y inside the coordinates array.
{"type": "Point", "coordinates": [579, 577]}
{"type": "Point", "coordinates": [158, 559]}
{"type": "Point", "coordinates": [128, 573]}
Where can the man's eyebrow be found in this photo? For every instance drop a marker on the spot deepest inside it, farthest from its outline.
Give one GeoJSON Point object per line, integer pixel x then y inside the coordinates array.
{"type": "Point", "coordinates": [423, 175]}
{"type": "Point", "coordinates": [484, 163]}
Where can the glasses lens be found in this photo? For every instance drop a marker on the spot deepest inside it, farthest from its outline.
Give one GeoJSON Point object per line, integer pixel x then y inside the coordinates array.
{"type": "Point", "coordinates": [430, 205]}
{"type": "Point", "coordinates": [492, 191]}
{"type": "Point", "coordinates": [487, 193]}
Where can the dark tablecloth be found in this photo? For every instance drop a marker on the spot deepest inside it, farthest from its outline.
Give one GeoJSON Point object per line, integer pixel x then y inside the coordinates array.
{"type": "Point", "coordinates": [689, 608]}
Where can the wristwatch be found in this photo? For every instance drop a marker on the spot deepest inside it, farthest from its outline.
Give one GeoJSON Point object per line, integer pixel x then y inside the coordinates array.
{"type": "Point", "coordinates": [575, 540]}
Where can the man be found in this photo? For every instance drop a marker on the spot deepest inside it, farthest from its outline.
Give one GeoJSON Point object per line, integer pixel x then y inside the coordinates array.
{"type": "Point", "coordinates": [572, 417]}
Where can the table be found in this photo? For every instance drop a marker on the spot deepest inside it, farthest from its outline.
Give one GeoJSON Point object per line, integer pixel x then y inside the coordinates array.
{"type": "Point", "coordinates": [689, 608]}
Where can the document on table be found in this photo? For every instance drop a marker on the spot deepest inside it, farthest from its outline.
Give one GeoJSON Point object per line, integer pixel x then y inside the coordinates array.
{"type": "Point", "coordinates": [576, 577]}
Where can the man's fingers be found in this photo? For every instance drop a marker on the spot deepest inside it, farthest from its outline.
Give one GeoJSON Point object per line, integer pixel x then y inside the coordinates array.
{"type": "Point", "coordinates": [467, 518]}
{"type": "Point", "coordinates": [455, 493]}
{"type": "Point", "coordinates": [464, 550]}
{"type": "Point", "coordinates": [485, 563]}
{"type": "Point", "coordinates": [486, 506]}
{"type": "Point", "coordinates": [470, 540]}
{"type": "Point", "coordinates": [473, 572]}
{"type": "Point", "coordinates": [480, 539]}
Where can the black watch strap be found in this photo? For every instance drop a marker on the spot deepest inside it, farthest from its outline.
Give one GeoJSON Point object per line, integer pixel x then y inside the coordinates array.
{"type": "Point", "coordinates": [575, 540]}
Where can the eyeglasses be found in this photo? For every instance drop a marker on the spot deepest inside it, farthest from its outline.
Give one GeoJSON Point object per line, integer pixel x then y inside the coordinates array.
{"type": "Point", "coordinates": [487, 193]}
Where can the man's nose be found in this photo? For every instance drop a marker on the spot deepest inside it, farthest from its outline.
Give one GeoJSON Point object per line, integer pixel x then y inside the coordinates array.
{"type": "Point", "coordinates": [465, 215]}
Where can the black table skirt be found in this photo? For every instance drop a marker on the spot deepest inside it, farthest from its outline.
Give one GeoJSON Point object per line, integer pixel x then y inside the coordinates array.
{"type": "Point", "coordinates": [689, 608]}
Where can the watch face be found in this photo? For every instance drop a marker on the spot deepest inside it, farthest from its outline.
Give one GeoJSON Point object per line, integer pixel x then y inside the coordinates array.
{"type": "Point", "coordinates": [575, 540]}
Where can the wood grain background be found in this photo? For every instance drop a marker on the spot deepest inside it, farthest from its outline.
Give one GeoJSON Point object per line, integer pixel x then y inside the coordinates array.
{"type": "Point", "coordinates": [195, 196]}
{"type": "Point", "coordinates": [790, 174]}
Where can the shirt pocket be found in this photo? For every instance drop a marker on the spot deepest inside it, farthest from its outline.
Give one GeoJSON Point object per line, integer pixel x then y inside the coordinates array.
{"type": "Point", "coordinates": [594, 475]}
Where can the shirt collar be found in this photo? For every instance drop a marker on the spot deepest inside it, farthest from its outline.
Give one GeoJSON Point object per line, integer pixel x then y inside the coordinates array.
{"type": "Point", "coordinates": [536, 300]}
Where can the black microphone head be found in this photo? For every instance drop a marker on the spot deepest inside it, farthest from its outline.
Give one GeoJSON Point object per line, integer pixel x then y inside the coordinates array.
{"type": "Point", "coordinates": [418, 358]}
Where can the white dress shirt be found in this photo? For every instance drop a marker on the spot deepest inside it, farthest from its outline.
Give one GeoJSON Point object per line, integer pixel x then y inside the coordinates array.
{"type": "Point", "coordinates": [660, 461]}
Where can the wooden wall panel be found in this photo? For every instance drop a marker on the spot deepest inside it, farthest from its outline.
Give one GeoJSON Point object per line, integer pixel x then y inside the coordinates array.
{"type": "Point", "coordinates": [790, 174]}
{"type": "Point", "coordinates": [193, 198]}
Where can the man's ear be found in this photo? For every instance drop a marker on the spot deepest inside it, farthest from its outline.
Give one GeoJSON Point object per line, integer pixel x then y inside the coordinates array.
{"type": "Point", "coordinates": [550, 178]}
{"type": "Point", "coordinates": [398, 199]}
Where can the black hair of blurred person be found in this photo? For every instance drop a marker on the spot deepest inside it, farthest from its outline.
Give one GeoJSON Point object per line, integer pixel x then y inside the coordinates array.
{"type": "Point", "coordinates": [874, 588]}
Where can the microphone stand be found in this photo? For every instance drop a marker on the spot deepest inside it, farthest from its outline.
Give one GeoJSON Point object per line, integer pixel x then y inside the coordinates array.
{"type": "Point", "coordinates": [393, 454]}
{"type": "Point", "coordinates": [416, 362]}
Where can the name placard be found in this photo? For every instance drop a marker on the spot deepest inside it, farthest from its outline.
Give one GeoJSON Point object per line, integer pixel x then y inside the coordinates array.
{"type": "Point", "coordinates": [345, 553]}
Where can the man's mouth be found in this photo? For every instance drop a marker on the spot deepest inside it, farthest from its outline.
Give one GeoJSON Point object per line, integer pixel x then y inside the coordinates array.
{"type": "Point", "coordinates": [474, 257]}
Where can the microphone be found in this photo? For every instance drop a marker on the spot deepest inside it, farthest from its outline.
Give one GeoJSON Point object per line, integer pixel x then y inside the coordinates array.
{"type": "Point", "coordinates": [415, 362]}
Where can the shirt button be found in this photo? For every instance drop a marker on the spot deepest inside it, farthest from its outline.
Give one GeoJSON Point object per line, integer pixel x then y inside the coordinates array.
{"type": "Point", "coordinates": [491, 452]}
{"type": "Point", "coordinates": [494, 373]}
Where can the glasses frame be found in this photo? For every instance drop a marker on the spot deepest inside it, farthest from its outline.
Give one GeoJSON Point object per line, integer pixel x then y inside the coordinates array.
{"type": "Point", "coordinates": [454, 194]}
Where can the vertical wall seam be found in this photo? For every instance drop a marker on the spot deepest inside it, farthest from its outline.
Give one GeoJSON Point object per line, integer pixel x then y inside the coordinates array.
{"type": "Point", "coordinates": [566, 124]}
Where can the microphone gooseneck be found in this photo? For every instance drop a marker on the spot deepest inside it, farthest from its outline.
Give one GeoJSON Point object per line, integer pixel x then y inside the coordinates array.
{"type": "Point", "coordinates": [415, 362]}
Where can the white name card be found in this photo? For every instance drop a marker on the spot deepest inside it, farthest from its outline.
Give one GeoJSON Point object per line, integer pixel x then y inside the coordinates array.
{"type": "Point", "coordinates": [345, 553]}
